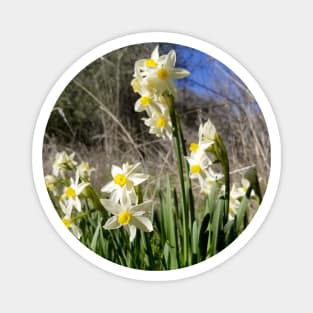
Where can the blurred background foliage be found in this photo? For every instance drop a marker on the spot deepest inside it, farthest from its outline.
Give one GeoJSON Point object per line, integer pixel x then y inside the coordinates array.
{"type": "Point", "coordinates": [95, 117]}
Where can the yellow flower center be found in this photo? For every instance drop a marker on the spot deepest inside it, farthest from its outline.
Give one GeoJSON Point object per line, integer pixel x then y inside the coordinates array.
{"type": "Point", "coordinates": [193, 147]}
{"type": "Point", "coordinates": [124, 218]}
{"type": "Point", "coordinates": [86, 166]}
{"type": "Point", "coordinates": [151, 63]}
{"type": "Point", "coordinates": [161, 122]}
{"type": "Point", "coordinates": [162, 74]}
{"type": "Point", "coordinates": [145, 101]}
{"type": "Point", "coordinates": [120, 179]}
{"type": "Point", "coordinates": [195, 169]}
{"type": "Point", "coordinates": [70, 192]}
{"type": "Point", "coordinates": [67, 223]}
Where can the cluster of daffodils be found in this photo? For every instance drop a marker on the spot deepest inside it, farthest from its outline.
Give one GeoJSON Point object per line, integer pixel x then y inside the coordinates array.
{"type": "Point", "coordinates": [201, 170]}
{"type": "Point", "coordinates": [67, 184]}
{"type": "Point", "coordinates": [199, 161]}
{"type": "Point", "coordinates": [153, 78]}
{"type": "Point", "coordinates": [123, 203]}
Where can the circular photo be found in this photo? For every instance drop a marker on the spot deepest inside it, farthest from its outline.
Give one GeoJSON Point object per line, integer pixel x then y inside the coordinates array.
{"type": "Point", "coordinates": [152, 155]}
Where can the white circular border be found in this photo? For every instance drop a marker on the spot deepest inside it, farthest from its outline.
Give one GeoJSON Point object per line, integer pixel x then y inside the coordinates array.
{"type": "Point", "coordinates": [216, 53]}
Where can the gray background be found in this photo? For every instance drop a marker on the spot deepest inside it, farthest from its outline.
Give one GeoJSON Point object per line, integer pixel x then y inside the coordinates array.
{"type": "Point", "coordinates": [39, 40]}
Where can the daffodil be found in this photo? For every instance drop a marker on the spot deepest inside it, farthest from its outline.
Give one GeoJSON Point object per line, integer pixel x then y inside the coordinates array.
{"type": "Point", "coordinates": [161, 75]}
{"type": "Point", "coordinates": [151, 62]}
{"type": "Point", "coordinates": [128, 216]}
{"type": "Point", "coordinates": [51, 182]}
{"type": "Point", "coordinates": [63, 162]}
{"type": "Point", "coordinates": [207, 133]}
{"type": "Point", "coordinates": [67, 220]}
{"type": "Point", "coordinates": [198, 164]}
{"type": "Point", "coordinates": [147, 102]}
{"type": "Point", "coordinates": [210, 179]}
{"type": "Point", "coordinates": [238, 192]}
{"type": "Point", "coordinates": [84, 170]}
{"type": "Point", "coordinates": [71, 193]}
{"type": "Point", "coordinates": [124, 180]}
{"type": "Point", "coordinates": [160, 124]}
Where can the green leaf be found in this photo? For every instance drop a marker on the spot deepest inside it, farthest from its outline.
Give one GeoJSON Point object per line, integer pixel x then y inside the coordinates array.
{"type": "Point", "coordinates": [242, 211]}
{"type": "Point", "coordinates": [95, 238]}
{"type": "Point", "coordinates": [204, 236]}
{"type": "Point", "coordinates": [230, 231]}
{"type": "Point", "coordinates": [195, 238]}
{"type": "Point", "coordinates": [217, 221]}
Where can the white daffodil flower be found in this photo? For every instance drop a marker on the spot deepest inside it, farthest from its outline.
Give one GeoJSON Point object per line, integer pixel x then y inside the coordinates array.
{"type": "Point", "coordinates": [71, 193]}
{"type": "Point", "coordinates": [72, 226]}
{"type": "Point", "coordinates": [84, 170]}
{"type": "Point", "coordinates": [161, 76]}
{"type": "Point", "coordinates": [147, 102]}
{"type": "Point", "coordinates": [160, 124]}
{"type": "Point", "coordinates": [154, 61]}
{"type": "Point", "coordinates": [67, 220]}
{"type": "Point", "coordinates": [128, 216]}
{"type": "Point", "coordinates": [206, 138]}
{"type": "Point", "coordinates": [199, 147]}
{"type": "Point", "coordinates": [124, 180]}
{"type": "Point", "coordinates": [239, 192]}
{"type": "Point", "coordinates": [209, 180]}
{"type": "Point", "coordinates": [199, 163]}
{"type": "Point", "coordinates": [51, 182]}
{"type": "Point", "coordinates": [63, 162]}
{"type": "Point", "coordinates": [207, 133]}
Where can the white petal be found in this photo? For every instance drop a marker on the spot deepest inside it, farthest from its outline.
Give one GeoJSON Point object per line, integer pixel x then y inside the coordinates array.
{"type": "Point", "coordinates": [155, 54]}
{"type": "Point", "coordinates": [245, 183]}
{"type": "Point", "coordinates": [125, 198]}
{"type": "Point", "coordinates": [132, 169]}
{"type": "Point", "coordinates": [116, 170]}
{"type": "Point", "coordinates": [111, 206]}
{"type": "Point", "coordinates": [109, 187]}
{"type": "Point", "coordinates": [132, 232]}
{"type": "Point", "coordinates": [179, 73]}
{"type": "Point", "coordinates": [66, 208]}
{"type": "Point", "coordinates": [81, 187]}
{"type": "Point", "coordinates": [112, 223]}
{"type": "Point", "coordinates": [171, 59]}
{"type": "Point", "coordinates": [78, 204]}
{"type": "Point", "coordinates": [139, 107]}
{"type": "Point", "coordinates": [148, 121]}
{"type": "Point", "coordinates": [142, 223]}
{"type": "Point", "coordinates": [76, 231]}
{"type": "Point", "coordinates": [138, 178]}
{"type": "Point", "coordinates": [145, 206]}
{"type": "Point", "coordinates": [115, 195]}
{"type": "Point", "coordinates": [139, 213]}
{"type": "Point", "coordinates": [133, 196]}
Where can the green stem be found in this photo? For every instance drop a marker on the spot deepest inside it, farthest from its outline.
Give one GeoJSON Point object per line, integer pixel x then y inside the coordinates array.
{"type": "Point", "coordinates": [188, 180]}
{"type": "Point", "coordinates": [77, 217]}
{"type": "Point", "coordinates": [221, 155]}
{"type": "Point", "coordinates": [178, 150]}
